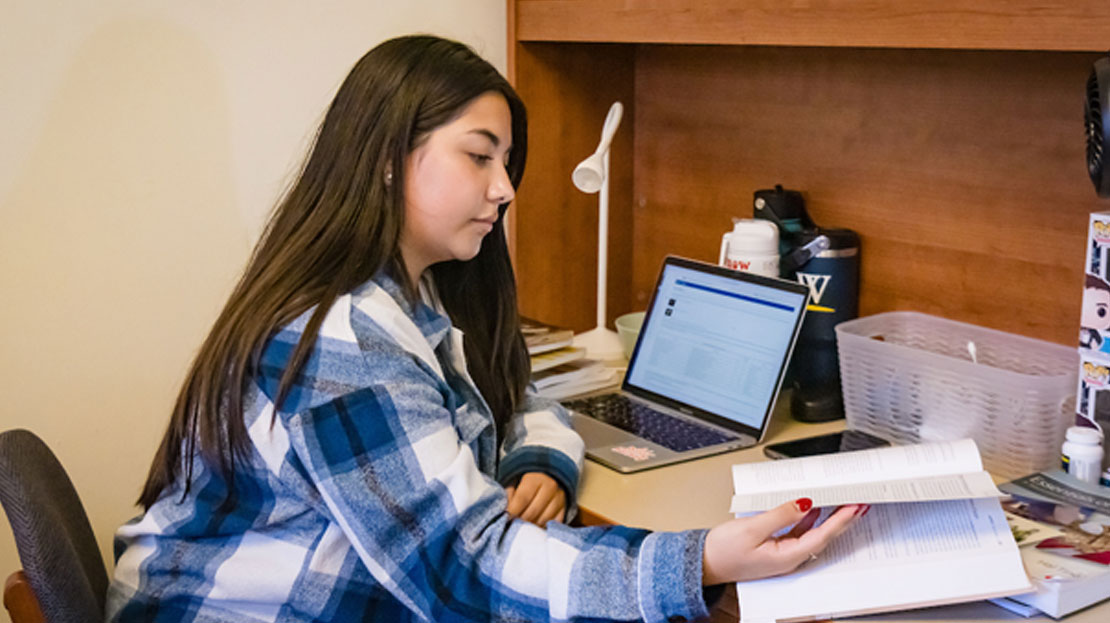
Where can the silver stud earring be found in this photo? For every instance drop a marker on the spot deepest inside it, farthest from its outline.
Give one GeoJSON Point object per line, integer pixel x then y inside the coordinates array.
{"type": "Point", "coordinates": [388, 178]}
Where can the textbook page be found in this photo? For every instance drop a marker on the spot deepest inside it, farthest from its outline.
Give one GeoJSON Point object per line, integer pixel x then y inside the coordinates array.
{"type": "Point", "coordinates": [933, 471]}
{"type": "Point", "coordinates": [954, 487]}
{"type": "Point", "coordinates": [896, 557]}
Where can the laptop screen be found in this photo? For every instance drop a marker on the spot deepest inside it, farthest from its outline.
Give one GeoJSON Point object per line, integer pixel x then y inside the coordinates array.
{"type": "Point", "coordinates": [716, 340]}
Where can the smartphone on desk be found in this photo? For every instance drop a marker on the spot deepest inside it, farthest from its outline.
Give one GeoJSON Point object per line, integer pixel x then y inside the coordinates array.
{"type": "Point", "coordinates": [844, 441]}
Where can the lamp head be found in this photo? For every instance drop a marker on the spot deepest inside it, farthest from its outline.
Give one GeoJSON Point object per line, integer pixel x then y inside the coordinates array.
{"type": "Point", "coordinates": [590, 173]}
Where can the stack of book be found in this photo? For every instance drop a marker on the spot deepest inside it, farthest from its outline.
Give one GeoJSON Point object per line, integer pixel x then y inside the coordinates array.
{"type": "Point", "coordinates": [561, 370]}
{"type": "Point", "coordinates": [1063, 527]}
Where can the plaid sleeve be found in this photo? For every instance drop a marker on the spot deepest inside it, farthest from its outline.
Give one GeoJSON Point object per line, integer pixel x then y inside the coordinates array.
{"type": "Point", "coordinates": [539, 438]}
{"type": "Point", "coordinates": [432, 528]}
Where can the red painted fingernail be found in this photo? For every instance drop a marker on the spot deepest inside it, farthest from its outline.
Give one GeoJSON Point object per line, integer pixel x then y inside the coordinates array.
{"type": "Point", "coordinates": [867, 509]}
{"type": "Point", "coordinates": [803, 504]}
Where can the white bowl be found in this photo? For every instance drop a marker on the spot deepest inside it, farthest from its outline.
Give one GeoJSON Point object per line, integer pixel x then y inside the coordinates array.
{"type": "Point", "coordinates": [628, 329]}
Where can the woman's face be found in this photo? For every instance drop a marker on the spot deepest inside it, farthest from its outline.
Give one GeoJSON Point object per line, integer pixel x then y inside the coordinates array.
{"type": "Point", "coordinates": [454, 182]}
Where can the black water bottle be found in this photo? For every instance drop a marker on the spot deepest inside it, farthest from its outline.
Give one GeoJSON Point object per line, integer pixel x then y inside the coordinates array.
{"type": "Point", "coordinates": [787, 210]}
{"type": "Point", "coordinates": [832, 277]}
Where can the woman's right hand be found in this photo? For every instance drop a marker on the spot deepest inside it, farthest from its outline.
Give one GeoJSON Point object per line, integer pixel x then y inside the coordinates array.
{"type": "Point", "coordinates": [745, 548]}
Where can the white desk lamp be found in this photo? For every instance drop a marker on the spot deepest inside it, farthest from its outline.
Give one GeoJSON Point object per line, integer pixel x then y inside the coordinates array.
{"type": "Point", "coordinates": [590, 176]}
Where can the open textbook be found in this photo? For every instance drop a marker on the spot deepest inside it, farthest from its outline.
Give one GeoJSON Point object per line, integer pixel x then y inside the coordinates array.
{"type": "Point", "coordinates": [935, 534]}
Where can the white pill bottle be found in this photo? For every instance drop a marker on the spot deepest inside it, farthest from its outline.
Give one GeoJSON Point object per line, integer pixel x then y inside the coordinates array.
{"type": "Point", "coordinates": [1081, 454]}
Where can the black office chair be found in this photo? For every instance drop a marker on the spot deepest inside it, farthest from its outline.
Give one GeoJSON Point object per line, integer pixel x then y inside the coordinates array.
{"type": "Point", "coordinates": [61, 562]}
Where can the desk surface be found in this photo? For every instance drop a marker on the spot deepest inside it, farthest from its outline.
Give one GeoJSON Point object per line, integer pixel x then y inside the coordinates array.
{"type": "Point", "coordinates": [696, 494]}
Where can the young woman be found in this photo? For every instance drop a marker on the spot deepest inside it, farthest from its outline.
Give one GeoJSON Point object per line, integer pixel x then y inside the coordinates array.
{"type": "Point", "coordinates": [355, 440]}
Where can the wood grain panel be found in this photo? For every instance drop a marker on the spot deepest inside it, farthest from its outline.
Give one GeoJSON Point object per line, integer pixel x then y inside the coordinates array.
{"type": "Point", "coordinates": [946, 24]}
{"type": "Point", "coordinates": [568, 91]}
{"type": "Point", "coordinates": [963, 172]}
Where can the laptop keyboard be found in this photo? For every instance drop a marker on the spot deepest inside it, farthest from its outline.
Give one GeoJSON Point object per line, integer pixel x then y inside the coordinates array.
{"type": "Point", "coordinates": [666, 430]}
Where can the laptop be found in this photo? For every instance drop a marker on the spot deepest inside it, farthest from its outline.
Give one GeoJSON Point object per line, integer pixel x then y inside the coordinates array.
{"type": "Point", "coordinates": [705, 373]}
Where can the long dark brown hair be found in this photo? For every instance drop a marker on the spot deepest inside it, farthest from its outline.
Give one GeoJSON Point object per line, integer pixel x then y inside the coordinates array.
{"type": "Point", "coordinates": [340, 224]}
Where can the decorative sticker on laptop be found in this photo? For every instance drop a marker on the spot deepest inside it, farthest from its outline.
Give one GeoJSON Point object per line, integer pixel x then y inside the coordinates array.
{"type": "Point", "coordinates": [636, 453]}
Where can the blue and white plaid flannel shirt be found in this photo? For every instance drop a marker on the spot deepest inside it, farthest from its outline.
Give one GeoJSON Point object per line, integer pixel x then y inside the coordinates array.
{"type": "Point", "coordinates": [373, 497]}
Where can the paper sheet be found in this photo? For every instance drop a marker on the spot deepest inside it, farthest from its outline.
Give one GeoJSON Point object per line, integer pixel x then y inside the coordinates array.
{"type": "Point", "coordinates": [954, 487]}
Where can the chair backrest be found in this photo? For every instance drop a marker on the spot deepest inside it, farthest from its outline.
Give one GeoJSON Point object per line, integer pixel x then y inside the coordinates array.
{"type": "Point", "coordinates": [52, 533]}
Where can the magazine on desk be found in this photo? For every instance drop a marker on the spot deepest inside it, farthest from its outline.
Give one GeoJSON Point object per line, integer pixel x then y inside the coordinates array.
{"type": "Point", "coordinates": [1071, 568]}
{"type": "Point", "coordinates": [935, 534]}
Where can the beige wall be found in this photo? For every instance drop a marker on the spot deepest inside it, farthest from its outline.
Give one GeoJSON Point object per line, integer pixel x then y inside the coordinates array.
{"type": "Point", "coordinates": [143, 144]}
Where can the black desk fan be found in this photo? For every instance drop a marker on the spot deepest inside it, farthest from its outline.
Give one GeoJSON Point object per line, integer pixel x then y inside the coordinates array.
{"type": "Point", "coordinates": [1097, 119]}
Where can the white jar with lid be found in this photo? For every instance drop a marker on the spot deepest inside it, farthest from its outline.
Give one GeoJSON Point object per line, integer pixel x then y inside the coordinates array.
{"type": "Point", "coordinates": [752, 246]}
{"type": "Point", "coordinates": [1081, 454]}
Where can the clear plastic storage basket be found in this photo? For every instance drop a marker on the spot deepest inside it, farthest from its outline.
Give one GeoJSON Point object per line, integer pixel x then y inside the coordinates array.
{"type": "Point", "coordinates": [909, 377]}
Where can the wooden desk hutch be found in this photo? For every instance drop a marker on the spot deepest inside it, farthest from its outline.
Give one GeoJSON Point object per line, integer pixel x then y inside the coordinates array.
{"type": "Point", "coordinates": [947, 133]}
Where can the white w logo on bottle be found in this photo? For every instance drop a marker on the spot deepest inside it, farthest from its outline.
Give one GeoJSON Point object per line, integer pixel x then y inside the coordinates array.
{"type": "Point", "coordinates": [817, 285]}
